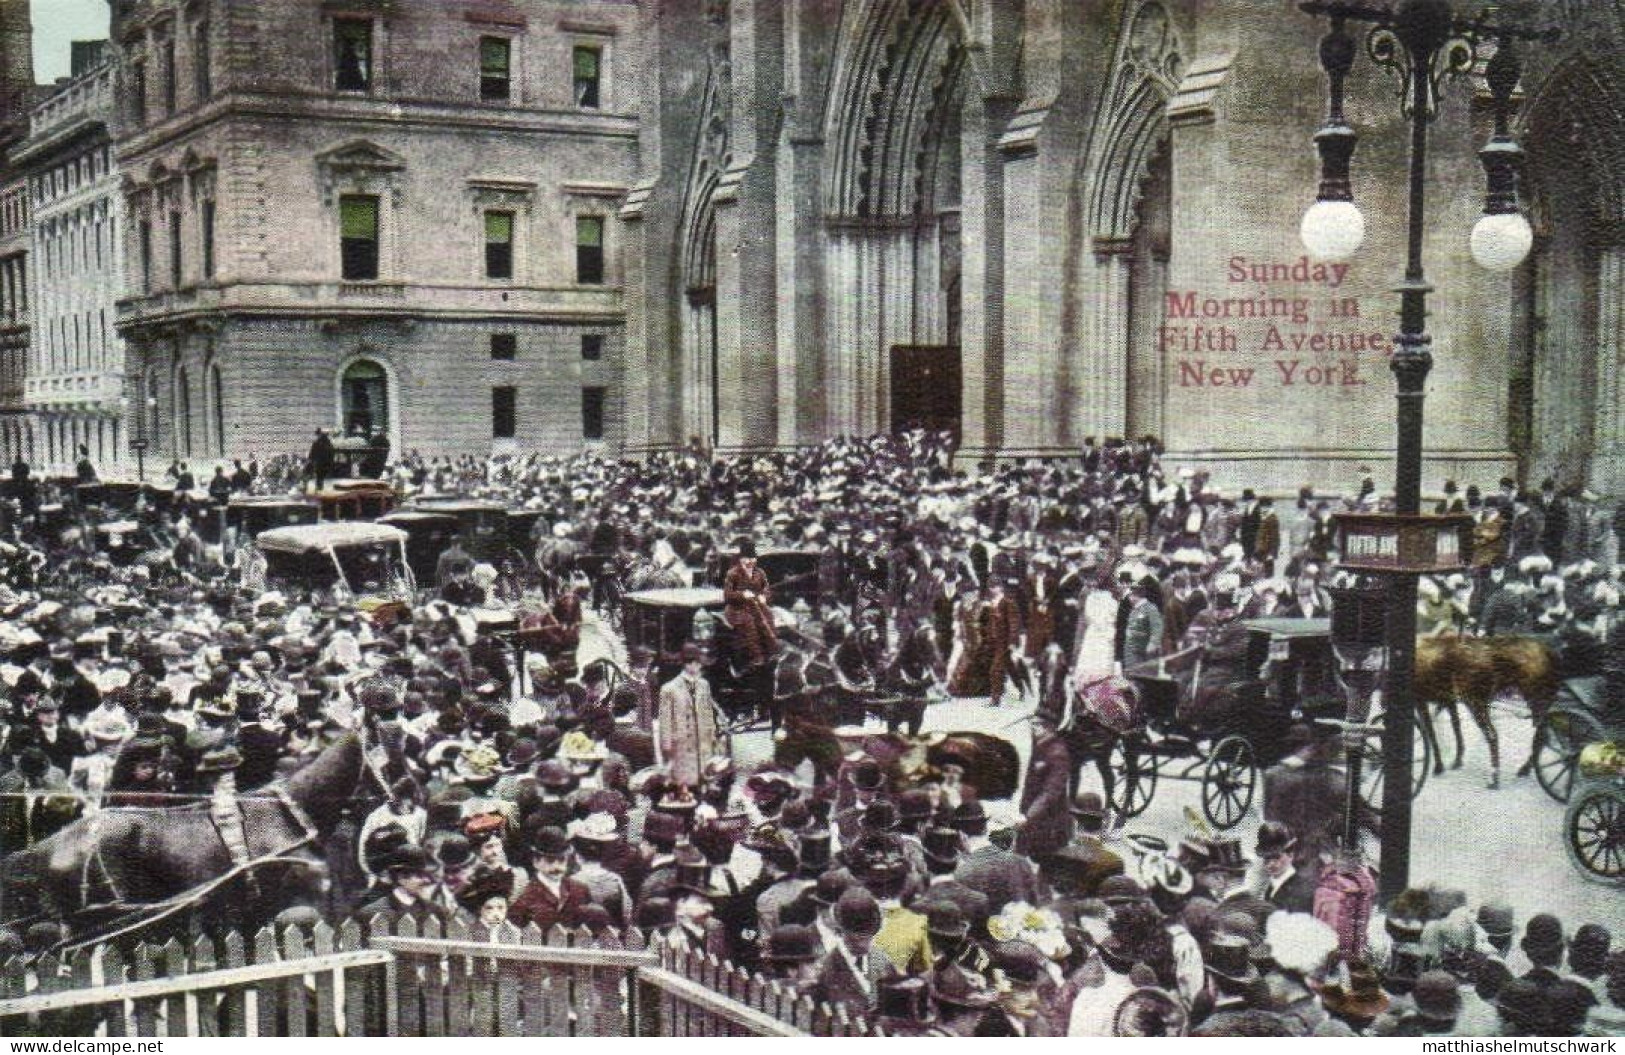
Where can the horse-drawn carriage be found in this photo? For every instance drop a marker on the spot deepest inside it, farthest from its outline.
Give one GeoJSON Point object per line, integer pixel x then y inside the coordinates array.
{"type": "Point", "coordinates": [354, 500]}
{"type": "Point", "coordinates": [1582, 711]}
{"type": "Point", "coordinates": [663, 621]}
{"type": "Point", "coordinates": [249, 515]}
{"type": "Point", "coordinates": [1594, 824]}
{"type": "Point", "coordinates": [1228, 726]}
{"type": "Point", "coordinates": [363, 561]}
{"type": "Point", "coordinates": [111, 495]}
{"type": "Point", "coordinates": [428, 535]}
{"type": "Point", "coordinates": [793, 573]}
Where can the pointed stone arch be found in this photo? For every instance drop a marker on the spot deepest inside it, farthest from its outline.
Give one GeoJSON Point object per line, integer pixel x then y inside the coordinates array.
{"type": "Point", "coordinates": [891, 126]}
{"type": "Point", "coordinates": [697, 254]}
{"type": "Point", "coordinates": [1568, 340]}
{"type": "Point", "coordinates": [1129, 132]}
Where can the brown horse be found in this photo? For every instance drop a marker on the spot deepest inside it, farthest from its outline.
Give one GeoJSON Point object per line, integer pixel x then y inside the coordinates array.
{"type": "Point", "coordinates": [122, 862]}
{"type": "Point", "coordinates": [1452, 671]}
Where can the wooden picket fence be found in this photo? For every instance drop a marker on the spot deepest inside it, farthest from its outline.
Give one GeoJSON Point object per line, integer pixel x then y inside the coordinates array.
{"type": "Point", "coordinates": [414, 982]}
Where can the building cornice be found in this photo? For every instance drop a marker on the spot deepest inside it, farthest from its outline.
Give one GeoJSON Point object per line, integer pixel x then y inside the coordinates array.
{"type": "Point", "coordinates": [381, 300]}
{"type": "Point", "coordinates": [377, 113]}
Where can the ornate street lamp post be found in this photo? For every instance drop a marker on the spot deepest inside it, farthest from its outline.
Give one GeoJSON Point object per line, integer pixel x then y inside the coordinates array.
{"type": "Point", "coordinates": [1422, 42]}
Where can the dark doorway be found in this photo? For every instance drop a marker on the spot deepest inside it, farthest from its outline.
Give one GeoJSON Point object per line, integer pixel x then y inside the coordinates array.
{"type": "Point", "coordinates": [365, 399]}
{"type": "Point", "coordinates": [925, 388]}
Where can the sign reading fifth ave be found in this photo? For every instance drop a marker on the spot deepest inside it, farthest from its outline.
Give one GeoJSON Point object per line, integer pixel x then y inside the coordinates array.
{"type": "Point", "coordinates": [1277, 322]}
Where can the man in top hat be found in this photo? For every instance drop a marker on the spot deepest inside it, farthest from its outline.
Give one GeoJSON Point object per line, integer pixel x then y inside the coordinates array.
{"type": "Point", "coordinates": [1279, 881]}
{"type": "Point", "coordinates": [35, 800]}
{"type": "Point", "coordinates": [942, 847]}
{"type": "Point", "coordinates": [903, 1008]}
{"type": "Point", "coordinates": [1232, 979]}
{"type": "Point", "coordinates": [1046, 823]}
{"type": "Point", "coordinates": [691, 893]}
{"type": "Point", "coordinates": [1001, 875]}
{"type": "Point", "coordinates": [552, 898]}
{"type": "Point", "coordinates": [1082, 865]}
{"type": "Point", "coordinates": [851, 971]}
{"type": "Point", "coordinates": [790, 954]}
{"type": "Point", "coordinates": [409, 881]}
{"type": "Point", "coordinates": [261, 744]}
{"type": "Point", "coordinates": [686, 729]}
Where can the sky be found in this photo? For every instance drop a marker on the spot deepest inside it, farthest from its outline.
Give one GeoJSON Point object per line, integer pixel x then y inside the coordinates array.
{"type": "Point", "coordinates": [56, 24]}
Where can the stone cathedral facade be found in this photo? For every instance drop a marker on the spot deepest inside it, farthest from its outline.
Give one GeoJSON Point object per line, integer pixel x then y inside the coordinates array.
{"type": "Point", "coordinates": [1038, 222]}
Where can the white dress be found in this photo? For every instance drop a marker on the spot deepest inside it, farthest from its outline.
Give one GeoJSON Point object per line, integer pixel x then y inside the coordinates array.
{"type": "Point", "coordinates": [1097, 631]}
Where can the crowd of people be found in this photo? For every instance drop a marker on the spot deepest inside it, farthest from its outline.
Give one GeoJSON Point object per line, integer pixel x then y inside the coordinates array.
{"type": "Point", "coordinates": [524, 793]}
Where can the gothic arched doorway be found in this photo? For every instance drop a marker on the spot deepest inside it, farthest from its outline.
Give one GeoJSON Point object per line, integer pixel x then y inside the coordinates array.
{"type": "Point", "coordinates": [1564, 394]}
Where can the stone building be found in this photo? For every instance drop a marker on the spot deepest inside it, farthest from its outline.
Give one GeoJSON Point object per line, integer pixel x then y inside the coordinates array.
{"type": "Point", "coordinates": [74, 389]}
{"type": "Point", "coordinates": [377, 217]}
{"type": "Point", "coordinates": [16, 99]}
{"type": "Point", "coordinates": [1041, 221]}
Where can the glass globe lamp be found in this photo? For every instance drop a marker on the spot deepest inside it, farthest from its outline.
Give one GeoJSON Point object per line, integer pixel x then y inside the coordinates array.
{"type": "Point", "coordinates": [1332, 230]}
{"type": "Point", "coordinates": [1500, 241]}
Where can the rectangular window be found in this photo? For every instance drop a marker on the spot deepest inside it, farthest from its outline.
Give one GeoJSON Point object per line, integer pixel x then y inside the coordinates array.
{"type": "Point", "coordinates": [200, 62]}
{"type": "Point", "coordinates": [138, 92]}
{"type": "Point", "coordinates": [352, 54]}
{"type": "Point", "coordinates": [504, 346]}
{"type": "Point", "coordinates": [587, 64]}
{"type": "Point", "coordinates": [144, 238]}
{"type": "Point", "coordinates": [358, 236]}
{"type": "Point", "coordinates": [499, 245]}
{"type": "Point", "coordinates": [206, 223]}
{"type": "Point", "coordinates": [592, 347]}
{"type": "Point", "coordinates": [169, 76]}
{"type": "Point", "coordinates": [504, 421]}
{"type": "Point", "coordinates": [495, 56]}
{"type": "Point", "coordinates": [592, 413]}
{"type": "Point", "coordinates": [175, 250]}
{"type": "Point", "coordinates": [590, 250]}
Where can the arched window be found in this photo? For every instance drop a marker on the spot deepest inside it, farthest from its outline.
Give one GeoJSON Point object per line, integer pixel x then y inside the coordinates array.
{"type": "Point", "coordinates": [364, 392]}
{"type": "Point", "coordinates": [183, 414]}
{"type": "Point", "coordinates": [217, 406]}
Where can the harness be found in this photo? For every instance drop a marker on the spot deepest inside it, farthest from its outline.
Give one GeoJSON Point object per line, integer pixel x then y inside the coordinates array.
{"type": "Point", "coordinates": [226, 814]}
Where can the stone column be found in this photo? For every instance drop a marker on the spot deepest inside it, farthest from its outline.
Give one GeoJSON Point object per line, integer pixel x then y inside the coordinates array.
{"type": "Point", "coordinates": [1103, 359]}
{"type": "Point", "coordinates": [1145, 370]}
{"type": "Point", "coordinates": [982, 274]}
{"type": "Point", "coordinates": [637, 357]}
{"type": "Point", "coordinates": [1607, 473]}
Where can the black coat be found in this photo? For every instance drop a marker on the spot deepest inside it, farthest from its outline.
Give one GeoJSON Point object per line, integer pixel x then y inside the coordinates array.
{"type": "Point", "coordinates": [1297, 894]}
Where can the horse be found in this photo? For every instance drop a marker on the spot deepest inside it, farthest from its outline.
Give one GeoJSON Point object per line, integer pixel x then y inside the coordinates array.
{"type": "Point", "coordinates": [150, 863]}
{"type": "Point", "coordinates": [1451, 671]}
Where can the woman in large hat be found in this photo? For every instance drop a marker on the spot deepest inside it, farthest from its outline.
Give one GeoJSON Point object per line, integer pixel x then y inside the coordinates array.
{"type": "Point", "coordinates": [747, 593]}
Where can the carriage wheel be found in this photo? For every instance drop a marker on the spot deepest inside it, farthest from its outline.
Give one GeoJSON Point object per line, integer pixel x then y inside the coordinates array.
{"type": "Point", "coordinates": [1229, 781]}
{"type": "Point", "coordinates": [1564, 732]}
{"type": "Point", "coordinates": [1134, 777]}
{"type": "Point", "coordinates": [1594, 832]}
{"type": "Point", "coordinates": [1372, 777]}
